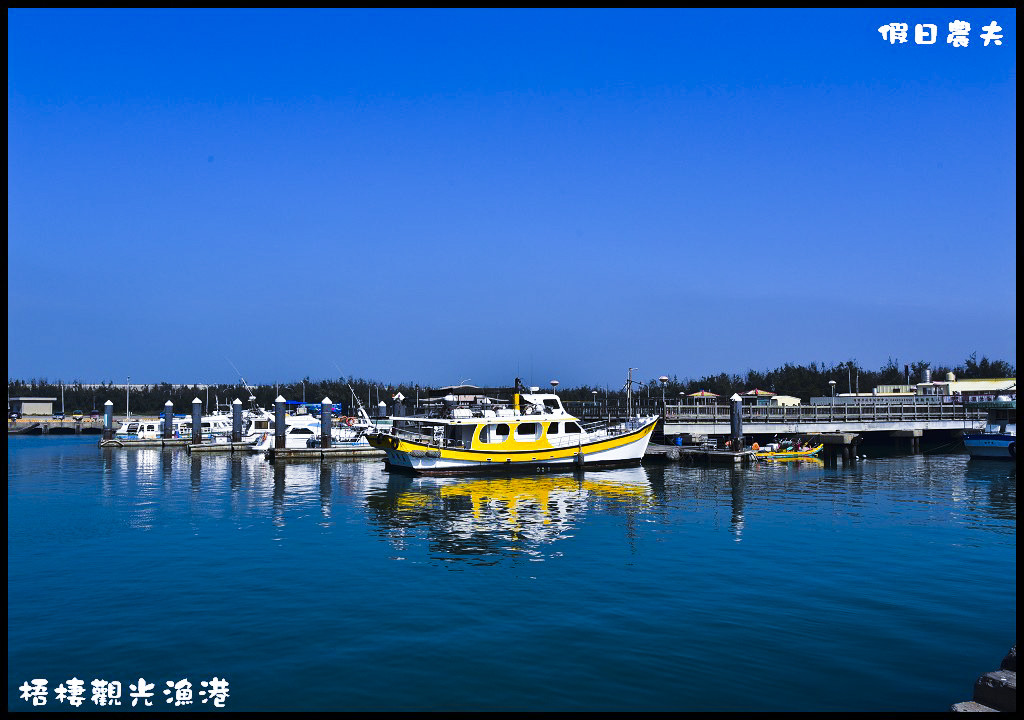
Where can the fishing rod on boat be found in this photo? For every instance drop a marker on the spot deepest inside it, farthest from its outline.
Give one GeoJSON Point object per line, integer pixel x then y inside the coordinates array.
{"type": "Point", "coordinates": [252, 390]}
{"type": "Point", "coordinates": [359, 404]}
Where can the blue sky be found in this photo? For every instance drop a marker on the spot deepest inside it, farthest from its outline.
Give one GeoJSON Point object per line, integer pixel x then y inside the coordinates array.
{"type": "Point", "coordinates": [435, 196]}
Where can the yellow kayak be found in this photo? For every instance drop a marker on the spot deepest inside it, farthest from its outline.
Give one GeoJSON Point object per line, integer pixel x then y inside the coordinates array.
{"type": "Point", "coordinates": [786, 454]}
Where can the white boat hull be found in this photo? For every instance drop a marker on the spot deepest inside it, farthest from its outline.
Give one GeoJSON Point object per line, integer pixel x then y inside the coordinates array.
{"type": "Point", "coordinates": [627, 449]}
{"type": "Point", "coordinates": [992, 445]}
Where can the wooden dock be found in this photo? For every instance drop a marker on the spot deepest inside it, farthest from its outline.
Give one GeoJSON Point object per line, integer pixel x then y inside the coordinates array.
{"type": "Point", "coordinates": [228, 447]}
{"type": "Point", "coordinates": [696, 455]}
{"type": "Point", "coordinates": [174, 442]}
{"type": "Point", "coordinates": [318, 453]}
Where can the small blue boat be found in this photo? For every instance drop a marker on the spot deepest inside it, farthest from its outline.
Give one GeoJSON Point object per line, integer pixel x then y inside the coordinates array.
{"type": "Point", "coordinates": [999, 438]}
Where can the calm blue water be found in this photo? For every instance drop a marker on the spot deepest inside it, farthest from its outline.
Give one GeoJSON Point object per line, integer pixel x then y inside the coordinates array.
{"type": "Point", "coordinates": [889, 586]}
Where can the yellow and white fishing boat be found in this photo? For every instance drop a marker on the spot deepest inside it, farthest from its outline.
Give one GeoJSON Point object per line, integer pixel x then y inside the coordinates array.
{"type": "Point", "coordinates": [532, 430]}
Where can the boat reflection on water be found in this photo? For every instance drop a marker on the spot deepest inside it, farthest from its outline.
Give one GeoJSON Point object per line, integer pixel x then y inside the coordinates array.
{"type": "Point", "coordinates": [808, 460]}
{"type": "Point", "coordinates": [479, 517]}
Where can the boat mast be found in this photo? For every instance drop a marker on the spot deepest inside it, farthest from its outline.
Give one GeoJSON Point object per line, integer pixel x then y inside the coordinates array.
{"type": "Point", "coordinates": [629, 392]}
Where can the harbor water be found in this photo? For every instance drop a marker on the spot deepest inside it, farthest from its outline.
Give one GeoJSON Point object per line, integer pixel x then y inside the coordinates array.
{"type": "Point", "coordinates": [885, 586]}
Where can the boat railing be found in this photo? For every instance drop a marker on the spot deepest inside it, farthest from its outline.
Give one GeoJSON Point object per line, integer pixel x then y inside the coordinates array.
{"type": "Point", "coordinates": [563, 440]}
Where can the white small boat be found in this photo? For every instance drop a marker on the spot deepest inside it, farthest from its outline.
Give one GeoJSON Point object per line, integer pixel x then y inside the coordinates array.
{"type": "Point", "coordinates": [301, 431]}
{"type": "Point", "coordinates": [305, 431]}
{"type": "Point", "coordinates": [147, 429]}
{"type": "Point", "coordinates": [214, 428]}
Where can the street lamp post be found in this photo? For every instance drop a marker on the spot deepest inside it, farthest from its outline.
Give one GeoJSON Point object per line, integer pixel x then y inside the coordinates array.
{"type": "Point", "coordinates": [128, 397]}
{"type": "Point", "coordinates": [664, 382]}
{"type": "Point", "coordinates": [832, 385]}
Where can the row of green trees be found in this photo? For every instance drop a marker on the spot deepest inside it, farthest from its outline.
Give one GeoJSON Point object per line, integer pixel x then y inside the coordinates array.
{"type": "Point", "coordinates": [803, 381]}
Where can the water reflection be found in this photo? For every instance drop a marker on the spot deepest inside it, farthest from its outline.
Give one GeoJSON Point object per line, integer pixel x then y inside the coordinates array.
{"type": "Point", "coordinates": [484, 518]}
{"type": "Point", "coordinates": [480, 518]}
{"type": "Point", "coordinates": [325, 490]}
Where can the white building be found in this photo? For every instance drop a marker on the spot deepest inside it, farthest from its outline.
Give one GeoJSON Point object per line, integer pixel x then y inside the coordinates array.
{"type": "Point", "coordinates": [31, 405]}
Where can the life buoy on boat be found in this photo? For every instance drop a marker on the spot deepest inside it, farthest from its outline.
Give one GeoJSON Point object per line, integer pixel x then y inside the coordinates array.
{"type": "Point", "coordinates": [350, 421]}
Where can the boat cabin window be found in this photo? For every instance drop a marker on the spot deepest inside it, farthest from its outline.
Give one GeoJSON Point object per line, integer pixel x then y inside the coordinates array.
{"type": "Point", "coordinates": [571, 427]}
{"type": "Point", "coordinates": [528, 431]}
{"type": "Point", "coordinates": [302, 431]}
{"type": "Point", "coordinates": [494, 433]}
{"type": "Point", "coordinates": [552, 404]}
{"type": "Point", "coordinates": [459, 435]}
{"type": "Point", "coordinates": [553, 429]}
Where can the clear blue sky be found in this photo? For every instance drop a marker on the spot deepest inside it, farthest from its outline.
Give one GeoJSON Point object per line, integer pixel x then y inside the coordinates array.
{"type": "Point", "coordinates": [435, 196]}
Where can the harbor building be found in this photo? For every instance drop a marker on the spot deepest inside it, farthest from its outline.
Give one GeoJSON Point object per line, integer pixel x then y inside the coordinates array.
{"type": "Point", "coordinates": [946, 392]}
{"type": "Point", "coordinates": [31, 405]}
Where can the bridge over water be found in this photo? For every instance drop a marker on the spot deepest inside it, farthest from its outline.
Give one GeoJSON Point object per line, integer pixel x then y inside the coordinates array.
{"type": "Point", "coordinates": [715, 420]}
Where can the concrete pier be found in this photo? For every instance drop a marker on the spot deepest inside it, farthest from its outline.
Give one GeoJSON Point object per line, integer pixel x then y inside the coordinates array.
{"type": "Point", "coordinates": [994, 691]}
{"type": "Point", "coordinates": [909, 440]}
{"type": "Point", "coordinates": [837, 446]}
{"type": "Point", "coordinates": [30, 426]}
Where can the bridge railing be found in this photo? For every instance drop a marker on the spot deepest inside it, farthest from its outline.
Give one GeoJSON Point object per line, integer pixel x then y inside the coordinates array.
{"type": "Point", "coordinates": [824, 413]}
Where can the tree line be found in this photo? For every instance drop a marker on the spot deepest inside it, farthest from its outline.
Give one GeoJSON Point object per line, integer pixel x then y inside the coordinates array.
{"type": "Point", "coordinates": [802, 381]}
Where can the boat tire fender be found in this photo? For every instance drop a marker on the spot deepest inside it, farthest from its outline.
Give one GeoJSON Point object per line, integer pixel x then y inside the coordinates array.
{"type": "Point", "coordinates": [394, 443]}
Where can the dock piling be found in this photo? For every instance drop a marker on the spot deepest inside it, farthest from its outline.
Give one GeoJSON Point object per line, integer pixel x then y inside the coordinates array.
{"type": "Point", "coordinates": [325, 422]}
{"type": "Point", "coordinates": [197, 421]}
{"type": "Point", "coordinates": [236, 421]}
{"type": "Point", "coordinates": [108, 420]}
{"type": "Point", "coordinates": [168, 420]}
{"type": "Point", "coordinates": [279, 422]}
{"type": "Point", "coordinates": [736, 421]}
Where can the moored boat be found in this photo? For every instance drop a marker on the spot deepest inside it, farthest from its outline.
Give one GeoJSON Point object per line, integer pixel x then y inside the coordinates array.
{"type": "Point", "coordinates": [305, 431]}
{"type": "Point", "coordinates": [477, 433]}
{"type": "Point", "coordinates": [147, 429]}
{"type": "Point", "coordinates": [777, 451]}
{"type": "Point", "coordinates": [999, 437]}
